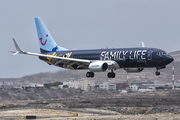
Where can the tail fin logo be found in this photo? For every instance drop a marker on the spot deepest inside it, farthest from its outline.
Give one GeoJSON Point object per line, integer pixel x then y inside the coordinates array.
{"type": "Point", "coordinates": [44, 42]}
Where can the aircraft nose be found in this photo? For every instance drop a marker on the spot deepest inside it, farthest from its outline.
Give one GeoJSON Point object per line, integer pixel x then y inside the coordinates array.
{"type": "Point", "coordinates": [169, 59]}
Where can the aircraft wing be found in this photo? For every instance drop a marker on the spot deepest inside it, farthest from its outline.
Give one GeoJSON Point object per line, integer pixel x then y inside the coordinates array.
{"type": "Point", "coordinates": [56, 59]}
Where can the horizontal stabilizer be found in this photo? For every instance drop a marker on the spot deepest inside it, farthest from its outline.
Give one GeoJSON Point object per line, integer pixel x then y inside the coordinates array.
{"type": "Point", "coordinates": [15, 53]}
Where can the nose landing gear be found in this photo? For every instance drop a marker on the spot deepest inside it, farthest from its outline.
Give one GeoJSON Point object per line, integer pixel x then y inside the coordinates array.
{"type": "Point", "coordinates": [157, 73]}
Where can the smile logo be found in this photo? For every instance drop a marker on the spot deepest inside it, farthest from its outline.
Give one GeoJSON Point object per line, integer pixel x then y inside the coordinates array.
{"type": "Point", "coordinates": [44, 42]}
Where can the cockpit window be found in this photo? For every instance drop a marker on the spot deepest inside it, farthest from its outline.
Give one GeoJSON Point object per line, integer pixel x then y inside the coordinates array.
{"type": "Point", "coordinates": [161, 53]}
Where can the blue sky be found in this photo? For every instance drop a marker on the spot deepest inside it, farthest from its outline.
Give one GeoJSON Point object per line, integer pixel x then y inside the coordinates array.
{"type": "Point", "coordinates": [83, 24]}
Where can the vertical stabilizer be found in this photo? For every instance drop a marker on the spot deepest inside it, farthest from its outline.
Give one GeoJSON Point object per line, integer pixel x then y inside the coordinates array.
{"type": "Point", "coordinates": [46, 42]}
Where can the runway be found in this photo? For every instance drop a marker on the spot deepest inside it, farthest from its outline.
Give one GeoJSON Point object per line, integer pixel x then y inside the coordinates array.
{"type": "Point", "coordinates": [83, 114]}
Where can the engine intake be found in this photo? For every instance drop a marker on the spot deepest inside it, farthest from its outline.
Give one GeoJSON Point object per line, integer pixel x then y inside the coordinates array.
{"type": "Point", "coordinates": [98, 66]}
{"type": "Point", "coordinates": [133, 70]}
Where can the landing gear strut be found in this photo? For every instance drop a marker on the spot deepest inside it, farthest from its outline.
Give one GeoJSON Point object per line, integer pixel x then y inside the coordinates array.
{"type": "Point", "coordinates": [111, 74]}
{"type": "Point", "coordinates": [161, 67]}
{"type": "Point", "coordinates": [157, 72]}
{"type": "Point", "coordinates": [90, 74]}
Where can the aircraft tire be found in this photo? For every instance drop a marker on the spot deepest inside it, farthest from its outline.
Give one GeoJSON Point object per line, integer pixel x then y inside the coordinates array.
{"type": "Point", "coordinates": [89, 74]}
{"type": "Point", "coordinates": [111, 75]}
{"type": "Point", "coordinates": [157, 73]}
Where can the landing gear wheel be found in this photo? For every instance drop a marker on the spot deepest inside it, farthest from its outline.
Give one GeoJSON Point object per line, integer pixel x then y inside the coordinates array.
{"type": "Point", "coordinates": [157, 73]}
{"type": "Point", "coordinates": [90, 74]}
{"type": "Point", "coordinates": [111, 75]}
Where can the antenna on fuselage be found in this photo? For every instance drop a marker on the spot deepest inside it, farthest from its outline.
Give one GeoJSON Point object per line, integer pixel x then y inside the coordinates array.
{"type": "Point", "coordinates": [143, 45]}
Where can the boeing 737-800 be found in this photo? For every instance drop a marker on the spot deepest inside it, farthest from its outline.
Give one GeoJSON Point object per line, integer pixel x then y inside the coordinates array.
{"type": "Point", "coordinates": [98, 60]}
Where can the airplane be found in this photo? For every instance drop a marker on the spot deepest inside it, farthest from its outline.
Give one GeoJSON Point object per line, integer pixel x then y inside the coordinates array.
{"type": "Point", "coordinates": [132, 60]}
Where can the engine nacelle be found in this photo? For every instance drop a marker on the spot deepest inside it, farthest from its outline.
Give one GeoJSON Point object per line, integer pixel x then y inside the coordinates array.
{"type": "Point", "coordinates": [98, 66]}
{"type": "Point", "coordinates": [133, 70]}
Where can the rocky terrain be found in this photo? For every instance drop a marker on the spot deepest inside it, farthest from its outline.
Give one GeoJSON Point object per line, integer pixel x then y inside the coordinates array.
{"type": "Point", "coordinates": [131, 103]}
{"type": "Point", "coordinates": [90, 105]}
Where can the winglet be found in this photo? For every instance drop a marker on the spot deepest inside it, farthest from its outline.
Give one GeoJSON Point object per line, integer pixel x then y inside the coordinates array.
{"type": "Point", "coordinates": [143, 44]}
{"type": "Point", "coordinates": [16, 45]}
{"type": "Point", "coordinates": [17, 48]}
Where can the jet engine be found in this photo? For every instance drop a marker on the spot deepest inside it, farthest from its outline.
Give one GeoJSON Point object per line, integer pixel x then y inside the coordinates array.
{"type": "Point", "coordinates": [133, 70]}
{"type": "Point", "coordinates": [98, 66]}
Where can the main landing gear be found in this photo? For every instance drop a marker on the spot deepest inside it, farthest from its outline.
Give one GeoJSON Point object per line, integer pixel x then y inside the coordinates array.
{"type": "Point", "coordinates": [90, 74]}
{"type": "Point", "coordinates": [111, 74]}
